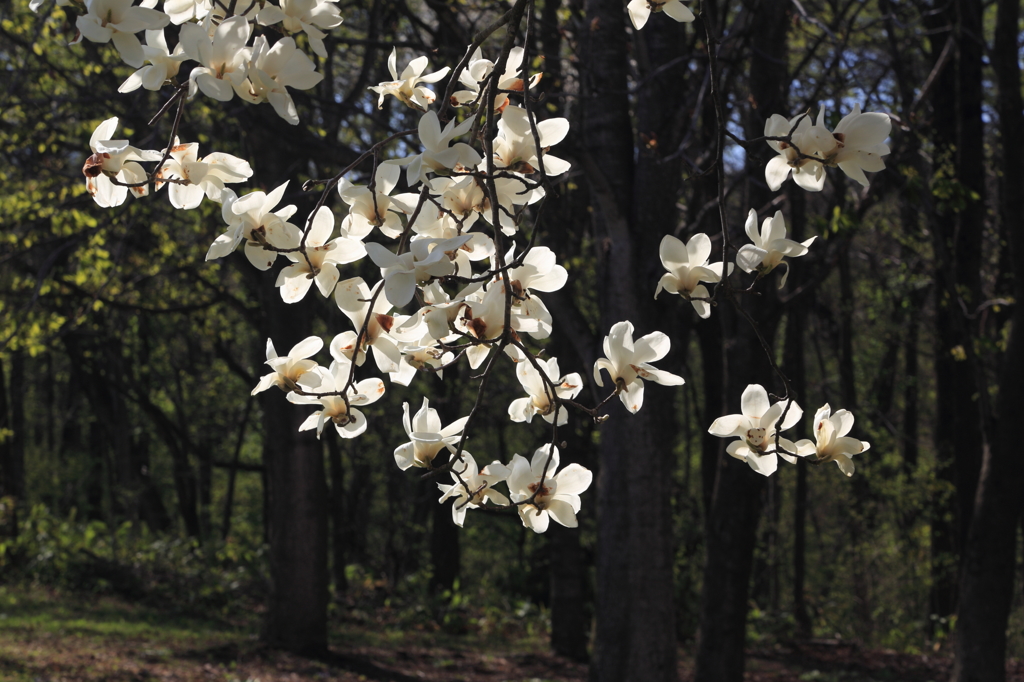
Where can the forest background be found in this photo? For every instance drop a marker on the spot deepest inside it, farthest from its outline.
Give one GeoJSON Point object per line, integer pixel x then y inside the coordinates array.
{"type": "Point", "coordinates": [134, 461]}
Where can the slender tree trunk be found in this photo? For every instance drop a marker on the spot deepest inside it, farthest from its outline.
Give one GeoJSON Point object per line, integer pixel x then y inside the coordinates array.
{"type": "Point", "coordinates": [12, 441]}
{"type": "Point", "coordinates": [990, 553]}
{"type": "Point", "coordinates": [338, 517]}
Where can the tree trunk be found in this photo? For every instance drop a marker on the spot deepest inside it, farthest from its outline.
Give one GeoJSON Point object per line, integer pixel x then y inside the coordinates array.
{"type": "Point", "coordinates": [989, 555]}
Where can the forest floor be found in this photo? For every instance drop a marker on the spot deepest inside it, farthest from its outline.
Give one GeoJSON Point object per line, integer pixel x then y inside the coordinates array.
{"type": "Point", "coordinates": [49, 637]}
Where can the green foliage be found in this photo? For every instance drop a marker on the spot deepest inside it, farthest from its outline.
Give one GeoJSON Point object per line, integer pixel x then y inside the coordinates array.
{"type": "Point", "coordinates": [90, 556]}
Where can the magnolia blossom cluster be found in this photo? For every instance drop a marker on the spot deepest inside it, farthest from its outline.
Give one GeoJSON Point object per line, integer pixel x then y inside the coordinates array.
{"type": "Point", "coordinates": [759, 444]}
{"type": "Point", "coordinates": [455, 286]}
{"type": "Point", "coordinates": [230, 59]}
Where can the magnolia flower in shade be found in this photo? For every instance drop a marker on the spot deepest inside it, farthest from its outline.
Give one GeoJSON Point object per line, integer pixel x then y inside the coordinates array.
{"type": "Point", "coordinates": [479, 69]}
{"type": "Point", "coordinates": [163, 64]}
{"type": "Point", "coordinates": [181, 11]}
{"type": "Point", "coordinates": [207, 176]}
{"type": "Point", "coordinates": [367, 209]}
{"type": "Point", "coordinates": [303, 15]}
{"type": "Point", "coordinates": [290, 368]}
{"type": "Point", "coordinates": [860, 144]}
{"type": "Point", "coordinates": [540, 394]}
{"type": "Point", "coordinates": [515, 149]}
{"type": "Point", "coordinates": [426, 437]}
{"type": "Point", "coordinates": [687, 266]}
{"type": "Point", "coordinates": [770, 246]}
{"type": "Point", "coordinates": [224, 59]}
{"type": "Point", "coordinates": [557, 496]}
{"type": "Point", "coordinates": [275, 69]}
{"type": "Point", "coordinates": [833, 445]}
{"type": "Point", "coordinates": [756, 428]}
{"type": "Point", "coordinates": [118, 21]}
{"type": "Point", "coordinates": [480, 485]}
{"type": "Point", "coordinates": [425, 259]}
{"type": "Point", "coordinates": [812, 141]}
{"type": "Point", "coordinates": [321, 260]}
{"type": "Point", "coordinates": [252, 218]}
{"type": "Point", "coordinates": [628, 363]}
{"type": "Point", "coordinates": [114, 159]}
{"type": "Point", "coordinates": [406, 87]}
{"type": "Point", "coordinates": [484, 318]}
{"type": "Point", "coordinates": [640, 11]}
{"type": "Point", "coordinates": [348, 421]}
{"type": "Point", "coordinates": [353, 298]}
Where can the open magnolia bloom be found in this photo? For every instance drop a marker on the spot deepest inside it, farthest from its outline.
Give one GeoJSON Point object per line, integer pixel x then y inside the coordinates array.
{"type": "Point", "coordinates": [483, 317]}
{"type": "Point", "coordinates": [114, 159]}
{"type": "Point", "coordinates": [275, 69]}
{"type": "Point", "coordinates": [321, 261]}
{"type": "Point", "coordinates": [628, 363]}
{"type": "Point", "coordinates": [770, 246]}
{"type": "Point", "coordinates": [640, 11]}
{"type": "Point", "coordinates": [224, 59]}
{"type": "Point", "coordinates": [807, 141]}
{"type": "Point", "coordinates": [406, 87]}
{"type": "Point", "coordinates": [557, 497]}
{"type": "Point", "coordinates": [348, 421]}
{"type": "Point", "coordinates": [118, 21]}
{"type": "Point", "coordinates": [516, 150]}
{"type": "Point", "coordinates": [756, 428]}
{"type": "Point", "coordinates": [540, 400]}
{"type": "Point", "coordinates": [425, 259]}
{"type": "Point", "coordinates": [687, 266]}
{"type": "Point", "coordinates": [252, 218]}
{"type": "Point", "coordinates": [480, 483]}
{"type": "Point", "coordinates": [426, 437]}
{"type": "Point", "coordinates": [163, 64]}
{"type": "Point", "coordinates": [353, 298]}
{"type": "Point", "coordinates": [437, 156]}
{"type": "Point", "coordinates": [303, 15]}
{"type": "Point", "coordinates": [367, 209]}
{"type": "Point", "coordinates": [206, 176]}
{"type": "Point", "coordinates": [479, 69]}
{"type": "Point", "coordinates": [292, 367]}
{"type": "Point", "coordinates": [833, 445]}
{"type": "Point", "coordinates": [860, 143]}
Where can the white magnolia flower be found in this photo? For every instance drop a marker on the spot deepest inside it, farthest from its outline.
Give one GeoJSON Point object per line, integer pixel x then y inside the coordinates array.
{"type": "Point", "coordinates": [477, 71]}
{"type": "Point", "coordinates": [273, 70]}
{"type": "Point", "coordinates": [353, 298]}
{"type": "Point", "coordinates": [181, 11]}
{"type": "Point", "coordinates": [480, 484]}
{"type": "Point", "coordinates": [118, 21]}
{"type": "Point", "coordinates": [437, 156]}
{"type": "Point", "coordinates": [252, 218]}
{"type": "Point", "coordinates": [224, 58]}
{"type": "Point", "coordinates": [207, 176]}
{"type": "Point", "coordinates": [426, 437]}
{"type": "Point", "coordinates": [348, 421]}
{"type": "Point", "coordinates": [687, 266]}
{"type": "Point", "coordinates": [321, 261]}
{"type": "Point", "coordinates": [833, 445]}
{"type": "Point", "coordinates": [514, 147]}
{"type": "Point", "coordinates": [406, 87]}
{"type": "Point", "coordinates": [812, 141]}
{"type": "Point", "coordinates": [420, 356]}
{"type": "Point", "coordinates": [163, 64]}
{"type": "Point", "coordinates": [540, 400]}
{"type": "Point", "coordinates": [114, 159]}
{"type": "Point", "coordinates": [425, 259]}
{"type": "Point", "coordinates": [557, 497]}
{"type": "Point", "coordinates": [304, 15]}
{"type": "Point", "coordinates": [756, 428]}
{"type": "Point", "coordinates": [628, 363]}
{"type": "Point", "coordinates": [640, 11]}
{"type": "Point", "coordinates": [484, 318]}
{"type": "Point", "coordinates": [290, 368]}
{"type": "Point", "coordinates": [367, 209]}
{"type": "Point", "coordinates": [860, 143]}
{"type": "Point", "coordinates": [770, 246]}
